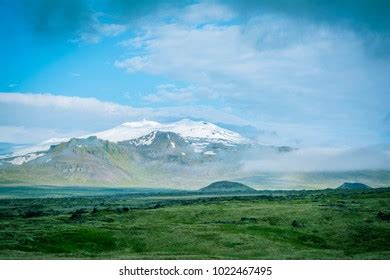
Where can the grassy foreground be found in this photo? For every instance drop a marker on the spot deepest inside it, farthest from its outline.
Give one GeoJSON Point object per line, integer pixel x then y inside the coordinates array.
{"type": "Point", "coordinates": [306, 225]}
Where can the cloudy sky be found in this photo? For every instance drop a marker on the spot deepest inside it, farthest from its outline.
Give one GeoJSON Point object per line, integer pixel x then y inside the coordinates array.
{"type": "Point", "coordinates": [299, 73]}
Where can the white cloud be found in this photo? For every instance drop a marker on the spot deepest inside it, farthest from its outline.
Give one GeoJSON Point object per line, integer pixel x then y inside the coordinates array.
{"type": "Point", "coordinates": [170, 93]}
{"type": "Point", "coordinates": [276, 70]}
{"type": "Point", "coordinates": [180, 95]}
{"type": "Point", "coordinates": [201, 13]}
{"type": "Point", "coordinates": [320, 159]}
{"type": "Point", "coordinates": [87, 37]}
{"type": "Point", "coordinates": [134, 64]}
{"type": "Point", "coordinates": [66, 102]}
{"type": "Point", "coordinates": [97, 30]}
{"type": "Point", "coordinates": [267, 53]}
{"type": "Point", "coordinates": [111, 29]}
{"type": "Point", "coordinates": [29, 135]}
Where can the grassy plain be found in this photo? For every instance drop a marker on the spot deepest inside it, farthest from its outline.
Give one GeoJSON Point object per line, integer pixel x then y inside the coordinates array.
{"type": "Point", "coordinates": [326, 224]}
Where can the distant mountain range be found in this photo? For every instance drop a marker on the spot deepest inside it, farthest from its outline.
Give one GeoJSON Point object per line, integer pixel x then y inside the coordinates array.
{"type": "Point", "coordinates": [227, 187]}
{"type": "Point", "coordinates": [135, 153]}
{"type": "Point", "coordinates": [353, 186]}
{"type": "Point", "coordinates": [198, 133]}
{"type": "Point", "coordinates": [149, 154]}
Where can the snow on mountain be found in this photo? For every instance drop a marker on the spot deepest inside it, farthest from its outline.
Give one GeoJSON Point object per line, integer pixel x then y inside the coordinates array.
{"type": "Point", "coordinates": [204, 130]}
{"type": "Point", "coordinates": [22, 159]}
{"type": "Point", "coordinates": [161, 145]}
{"type": "Point", "coordinates": [128, 131]}
{"type": "Point", "coordinates": [41, 147]}
{"type": "Point", "coordinates": [186, 128]}
{"type": "Point", "coordinates": [145, 140]}
{"type": "Point", "coordinates": [198, 133]}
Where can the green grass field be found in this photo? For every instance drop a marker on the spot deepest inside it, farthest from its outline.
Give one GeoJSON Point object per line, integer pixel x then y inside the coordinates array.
{"type": "Point", "coordinates": [304, 225]}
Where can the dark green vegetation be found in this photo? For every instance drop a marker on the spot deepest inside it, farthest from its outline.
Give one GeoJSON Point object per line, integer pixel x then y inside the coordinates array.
{"type": "Point", "coordinates": [353, 186]}
{"type": "Point", "coordinates": [50, 191]}
{"type": "Point", "coordinates": [227, 187]}
{"type": "Point", "coordinates": [327, 224]}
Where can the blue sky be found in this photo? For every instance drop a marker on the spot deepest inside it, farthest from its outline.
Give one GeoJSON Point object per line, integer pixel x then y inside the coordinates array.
{"type": "Point", "coordinates": [299, 73]}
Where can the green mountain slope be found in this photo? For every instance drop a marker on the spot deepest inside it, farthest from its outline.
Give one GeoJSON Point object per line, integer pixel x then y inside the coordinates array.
{"type": "Point", "coordinates": [227, 187]}
{"type": "Point", "coordinates": [353, 186]}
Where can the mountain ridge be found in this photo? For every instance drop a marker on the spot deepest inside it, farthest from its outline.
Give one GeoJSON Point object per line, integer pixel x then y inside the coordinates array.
{"type": "Point", "coordinates": [158, 157]}
{"type": "Point", "coordinates": [199, 133]}
{"type": "Point", "coordinates": [227, 187]}
{"type": "Point", "coordinates": [353, 186]}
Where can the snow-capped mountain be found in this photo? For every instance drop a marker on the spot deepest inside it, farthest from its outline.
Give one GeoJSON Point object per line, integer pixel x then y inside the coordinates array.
{"type": "Point", "coordinates": [198, 134]}
{"type": "Point", "coordinates": [134, 153]}
{"type": "Point", "coordinates": [41, 147]}
{"type": "Point", "coordinates": [186, 128]}
{"type": "Point", "coordinates": [161, 145]}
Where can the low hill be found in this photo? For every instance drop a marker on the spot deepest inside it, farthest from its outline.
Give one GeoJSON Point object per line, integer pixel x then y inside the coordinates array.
{"type": "Point", "coordinates": [227, 187]}
{"type": "Point", "coordinates": [353, 186]}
